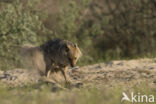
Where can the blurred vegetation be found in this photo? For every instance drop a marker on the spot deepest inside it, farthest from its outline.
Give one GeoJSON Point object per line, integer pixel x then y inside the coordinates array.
{"type": "Point", "coordinates": [30, 95]}
{"type": "Point", "coordinates": [103, 29]}
{"type": "Point", "coordinates": [20, 23]}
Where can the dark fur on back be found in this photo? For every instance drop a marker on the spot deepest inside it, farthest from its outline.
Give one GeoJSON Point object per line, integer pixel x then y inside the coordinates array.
{"type": "Point", "coordinates": [54, 50]}
{"type": "Point", "coordinates": [54, 46]}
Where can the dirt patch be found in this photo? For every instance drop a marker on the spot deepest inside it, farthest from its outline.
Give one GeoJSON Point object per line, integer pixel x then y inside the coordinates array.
{"type": "Point", "coordinates": [19, 77]}
{"type": "Point", "coordinates": [124, 73]}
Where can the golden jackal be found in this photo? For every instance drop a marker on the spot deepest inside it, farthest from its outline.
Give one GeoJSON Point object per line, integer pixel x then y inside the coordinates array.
{"type": "Point", "coordinates": [59, 54]}
{"type": "Point", "coordinates": [54, 55]}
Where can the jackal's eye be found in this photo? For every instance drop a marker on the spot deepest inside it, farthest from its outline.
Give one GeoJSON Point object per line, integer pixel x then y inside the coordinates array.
{"type": "Point", "coordinates": [75, 58]}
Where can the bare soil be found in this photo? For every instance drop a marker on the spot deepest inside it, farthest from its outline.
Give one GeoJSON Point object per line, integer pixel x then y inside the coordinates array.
{"type": "Point", "coordinates": [124, 73]}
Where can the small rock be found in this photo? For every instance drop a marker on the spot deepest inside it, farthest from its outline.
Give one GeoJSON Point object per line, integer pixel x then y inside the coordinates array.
{"type": "Point", "coordinates": [55, 88]}
{"type": "Point", "coordinates": [109, 63]}
{"type": "Point", "coordinates": [120, 63]}
{"type": "Point", "coordinates": [78, 85]}
{"type": "Point", "coordinates": [98, 67]}
{"type": "Point", "coordinates": [151, 68]}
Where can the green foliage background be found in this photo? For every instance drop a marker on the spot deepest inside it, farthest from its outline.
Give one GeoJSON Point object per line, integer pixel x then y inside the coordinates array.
{"type": "Point", "coordinates": [104, 30]}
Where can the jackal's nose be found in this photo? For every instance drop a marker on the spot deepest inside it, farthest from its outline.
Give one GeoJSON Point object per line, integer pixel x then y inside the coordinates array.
{"type": "Point", "coordinates": [72, 64]}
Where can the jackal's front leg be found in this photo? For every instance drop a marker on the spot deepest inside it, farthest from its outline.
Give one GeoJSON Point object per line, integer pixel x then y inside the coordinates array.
{"type": "Point", "coordinates": [48, 73]}
{"type": "Point", "coordinates": [65, 76]}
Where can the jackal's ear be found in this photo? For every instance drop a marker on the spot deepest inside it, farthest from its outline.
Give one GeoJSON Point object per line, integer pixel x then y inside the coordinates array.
{"type": "Point", "coordinates": [75, 45]}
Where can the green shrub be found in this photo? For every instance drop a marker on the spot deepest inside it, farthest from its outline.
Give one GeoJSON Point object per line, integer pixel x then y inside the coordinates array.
{"type": "Point", "coordinates": [20, 23]}
{"type": "Point", "coordinates": [129, 32]}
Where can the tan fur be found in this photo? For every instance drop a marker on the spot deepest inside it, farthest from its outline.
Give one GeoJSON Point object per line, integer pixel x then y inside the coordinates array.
{"type": "Point", "coordinates": [33, 58]}
{"type": "Point", "coordinates": [74, 53]}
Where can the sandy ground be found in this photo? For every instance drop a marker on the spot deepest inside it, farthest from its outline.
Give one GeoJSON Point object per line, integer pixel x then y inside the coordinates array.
{"type": "Point", "coordinates": [125, 73]}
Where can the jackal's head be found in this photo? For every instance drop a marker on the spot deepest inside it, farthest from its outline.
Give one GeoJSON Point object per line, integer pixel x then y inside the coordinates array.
{"type": "Point", "coordinates": [73, 53]}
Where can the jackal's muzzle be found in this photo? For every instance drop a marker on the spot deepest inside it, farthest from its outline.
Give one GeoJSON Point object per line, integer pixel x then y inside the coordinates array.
{"type": "Point", "coordinates": [71, 63]}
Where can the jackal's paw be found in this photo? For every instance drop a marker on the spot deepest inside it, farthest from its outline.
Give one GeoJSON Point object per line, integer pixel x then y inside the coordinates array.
{"type": "Point", "coordinates": [68, 83]}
